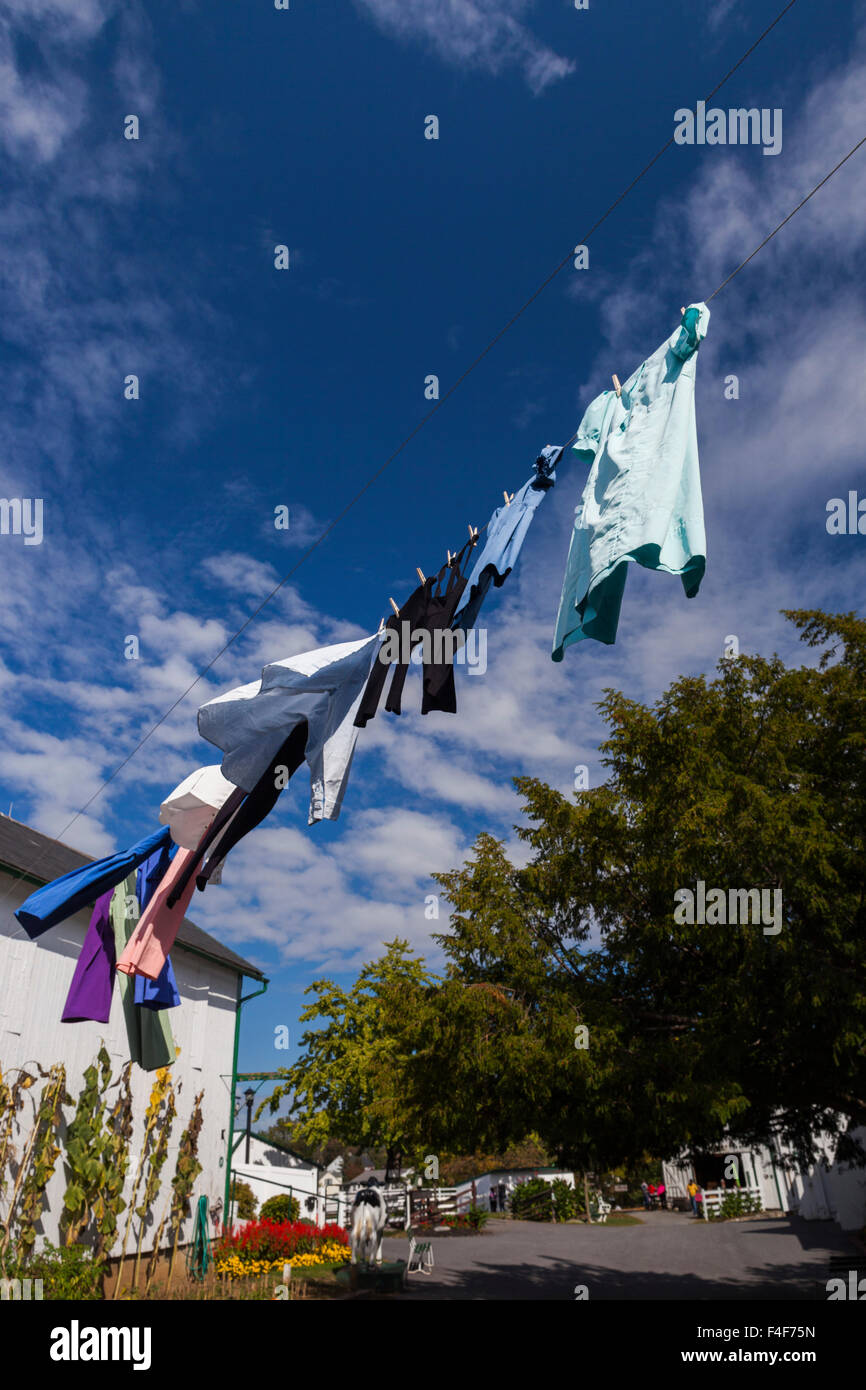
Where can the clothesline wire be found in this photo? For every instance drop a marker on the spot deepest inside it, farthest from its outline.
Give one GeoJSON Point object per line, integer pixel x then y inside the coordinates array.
{"type": "Point", "coordinates": [787, 219]}
{"type": "Point", "coordinates": [430, 413]}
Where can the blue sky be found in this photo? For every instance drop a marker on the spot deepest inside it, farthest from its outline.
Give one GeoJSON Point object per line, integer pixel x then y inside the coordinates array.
{"type": "Point", "coordinates": [259, 388]}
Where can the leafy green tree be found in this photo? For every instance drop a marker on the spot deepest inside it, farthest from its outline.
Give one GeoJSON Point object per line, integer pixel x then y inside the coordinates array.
{"type": "Point", "coordinates": [526, 1153]}
{"type": "Point", "coordinates": [347, 1085]}
{"type": "Point", "coordinates": [579, 1003]}
{"type": "Point", "coordinates": [752, 780]}
{"type": "Point", "coordinates": [490, 1050]}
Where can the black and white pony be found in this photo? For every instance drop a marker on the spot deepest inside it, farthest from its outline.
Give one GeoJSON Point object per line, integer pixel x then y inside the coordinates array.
{"type": "Point", "coordinates": [368, 1223]}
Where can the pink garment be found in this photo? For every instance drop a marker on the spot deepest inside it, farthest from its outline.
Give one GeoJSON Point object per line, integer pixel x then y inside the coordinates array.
{"type": "Point", "coordinates": [153, 938]}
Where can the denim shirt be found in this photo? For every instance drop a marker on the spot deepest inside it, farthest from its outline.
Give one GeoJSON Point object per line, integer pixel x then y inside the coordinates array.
{"type": "Point", "coordinates": [505, 533]}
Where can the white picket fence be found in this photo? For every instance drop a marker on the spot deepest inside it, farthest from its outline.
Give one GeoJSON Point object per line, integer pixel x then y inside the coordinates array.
{"type": "Point", "coordinates": [400, 1201]}
{"type": "Point", "coordinates": [338, 1206]}
{"type": "Point", "coordinates": [712, 1201]}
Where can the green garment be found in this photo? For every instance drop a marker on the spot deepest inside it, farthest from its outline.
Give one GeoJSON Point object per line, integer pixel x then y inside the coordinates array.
{"type": "Point", "coordinates": [148, 1031]}
{"type": "Point", "coordinates": [642, 500]}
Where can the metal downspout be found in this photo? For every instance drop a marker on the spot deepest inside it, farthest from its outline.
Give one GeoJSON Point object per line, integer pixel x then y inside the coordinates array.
{"type": "Point", "coordinates": [241, 1000]}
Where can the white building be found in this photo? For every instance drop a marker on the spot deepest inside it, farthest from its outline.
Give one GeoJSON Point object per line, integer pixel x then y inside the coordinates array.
{"type": "Point", "coordinates": [815, 1193]}
{"type": "Point", "coordinates": [377, 1177]}
{"type": "Point", "coordinates": [34, 981]}
{"type": "Point", "coordinates": [272, 1170]}
{"type": "Point", "coordinates": [501, 1184]}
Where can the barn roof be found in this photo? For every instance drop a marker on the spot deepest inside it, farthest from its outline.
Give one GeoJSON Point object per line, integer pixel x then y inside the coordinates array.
{"type": "Point", "coordinates": [36, 859]}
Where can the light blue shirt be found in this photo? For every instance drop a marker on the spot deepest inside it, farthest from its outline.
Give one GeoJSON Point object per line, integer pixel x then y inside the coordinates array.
{"type": "Point", "coordinates": [642, 501]}
{"type": "Point", "coordinates": [324, 687]}
{"type": "Point", "coordinates": [504, 536]}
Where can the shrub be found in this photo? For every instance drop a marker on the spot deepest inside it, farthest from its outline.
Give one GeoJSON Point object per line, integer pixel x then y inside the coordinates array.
{"type": "Point", "coordinates": [282, 1208]}
{"type": "Point", "coordinates": [476, 1218]}
{"type": "Point", "coordinates": [68, 1272]}
{"type": "Point", "coordinates": [532, 1201]}
{"type": "Point", "coordinates": [245, 1200]}
{"type": "Point", "coordinates": [565, 1203]}
{"type": "Point", "coordinates": [736, 1204]}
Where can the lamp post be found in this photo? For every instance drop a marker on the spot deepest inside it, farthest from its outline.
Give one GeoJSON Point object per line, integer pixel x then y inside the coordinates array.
{"type": "Point", "coordinates": [249, 1097]}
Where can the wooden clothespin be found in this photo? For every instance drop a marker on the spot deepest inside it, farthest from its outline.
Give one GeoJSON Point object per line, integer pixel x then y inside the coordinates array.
{"type": "Point", "coordinates": [381, 627]}
{"type": "Point", "coordinates": [508, 500]}
{"type": "Point", "coordinates": [616, 386]}
{"type": "Point", "coordinates": [682, 310]}
{"type": "Point", "coordinates": [420, 574]}
{"type": "Point", "coordinates": [473, 533]}
{"type": "Point", "coordinates": [394, 606]}
{"type": "Point", "coordinates": [449, 557]}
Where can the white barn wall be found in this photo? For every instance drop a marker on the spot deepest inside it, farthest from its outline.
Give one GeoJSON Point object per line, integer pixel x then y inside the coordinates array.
{"type": "Point", "coordinates": [816, 1193]}
{"type": "Point", "coordinates": [676, 1176]}
{"type": "Point", "coordinates": [758, 1172]}
{"type": "Point", "coordinates": [271, 1172]}
{"type": "Point", "coordinates": [34, 980]}
{"type": "Point", "coordinates": [837, 1192]}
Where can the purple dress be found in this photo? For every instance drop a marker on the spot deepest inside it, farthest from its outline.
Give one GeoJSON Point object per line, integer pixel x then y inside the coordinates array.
{"type": "Point", "coordinates": [89, 994]}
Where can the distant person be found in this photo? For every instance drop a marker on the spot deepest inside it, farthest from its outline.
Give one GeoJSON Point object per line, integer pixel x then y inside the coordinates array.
{"type": "Point", "coordinates": [493, 1199]}
{"type": "Point", "coordinates": [651, 1190]}
{"type": "Point", "coordinates": [645, 1194]}
{"type": "Point", "coordinates": [693, 1196]}
{"type": "Point", "coordinates": [663, 1196]}
{"type": "Point", "coordinates": [699, 1201]}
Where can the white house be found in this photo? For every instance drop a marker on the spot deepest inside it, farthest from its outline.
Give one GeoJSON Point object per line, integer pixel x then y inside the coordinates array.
{"type": "Point", "coordinates": [377, 1176]}
{"type": "Point", "coordinates": [34, 981]}
{"type": "Point", "coordinates": [494, 1190]}
{"type": "Point", "coordinates": [272, 1170]}
{"type": "Point", "coordinates": [815, 1193]}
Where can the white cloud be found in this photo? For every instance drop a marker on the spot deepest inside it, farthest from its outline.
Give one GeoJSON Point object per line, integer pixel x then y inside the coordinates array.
{"type": "Point", "coordinates": [75, 320]}
{"type": "Point", "coordinates": [290, 892]}
{"type": "Point", "coordinates": [481, 34]}
{"type": "Point", "coordinates": [40, 111]}
{"type": "Point", "coordinates": [37, 117]}
{"type": "Point", "coordinates": [400, 848]}
{"type": "Point", "coordinates": [791, 326]}
{"type": "Point", "coordinates": [70, 19]}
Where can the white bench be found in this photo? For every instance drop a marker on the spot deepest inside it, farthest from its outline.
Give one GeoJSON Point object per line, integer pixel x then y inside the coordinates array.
{"type": "Point", "coordinates": [602, 1209]}
{"type": "Point", "coordinates": [422, 1251]}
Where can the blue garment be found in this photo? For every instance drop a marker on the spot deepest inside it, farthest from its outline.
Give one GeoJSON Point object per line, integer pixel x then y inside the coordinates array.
{"type": "Point", "coordinates": [161, 993]}
{"type": "Point", "coordinates": [642, 500]}
{"type": "Point", "coordinates": [506, 532]}
{"type": "Point", "coordinates": [67, 895]}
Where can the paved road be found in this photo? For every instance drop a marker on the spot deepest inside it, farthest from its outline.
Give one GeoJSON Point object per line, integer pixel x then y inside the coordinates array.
{"type": "Point", "coordinates": [670, 1256]}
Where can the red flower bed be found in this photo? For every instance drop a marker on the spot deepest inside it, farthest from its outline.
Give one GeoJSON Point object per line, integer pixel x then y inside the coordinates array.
{"type": "Point", "coordinates": [274, 1240]}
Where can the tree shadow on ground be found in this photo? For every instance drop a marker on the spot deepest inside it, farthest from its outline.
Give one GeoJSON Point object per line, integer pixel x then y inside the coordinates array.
{"type": "Point", "coordinates": [558, 1280]}
{"type": "Point", "coordinates": [554, 1277]}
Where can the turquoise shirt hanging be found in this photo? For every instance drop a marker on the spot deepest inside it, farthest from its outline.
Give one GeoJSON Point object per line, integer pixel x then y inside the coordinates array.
{"type": "Point", "coordinates": [642, 501]}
